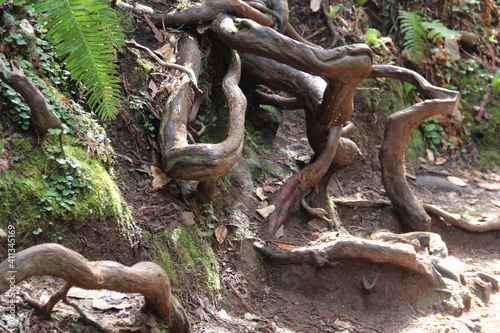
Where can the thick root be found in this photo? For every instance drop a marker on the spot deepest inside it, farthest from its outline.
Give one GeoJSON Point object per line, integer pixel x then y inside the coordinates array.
{"type": "Point", "coordinates": [55, 260]}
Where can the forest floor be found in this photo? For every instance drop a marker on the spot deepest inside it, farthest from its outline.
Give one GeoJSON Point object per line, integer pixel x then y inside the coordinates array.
{"type": "Point", "coordinates": [260, 297]}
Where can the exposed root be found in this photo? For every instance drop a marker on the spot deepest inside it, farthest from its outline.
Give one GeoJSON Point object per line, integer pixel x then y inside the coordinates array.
{"type": "Point", "coordinates": [351, 248]}
{"type": "Point", "coordinates": [455, 220]}
{"type": "Point", "coordinates": [55, 260]}
{"type": "Point", "coordinates": [200, 161]}
{"type": "Point", "coordinates": [42, 118]}
{"type": "Point", "coordinates": [398, 131]}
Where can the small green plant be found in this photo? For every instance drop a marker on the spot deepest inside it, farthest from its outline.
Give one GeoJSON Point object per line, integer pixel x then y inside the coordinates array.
{"type": "Point", "coordinates": [332, 11]}
{"type": "Point", "coordinates": [64, 183]}
{"type": "Point", "coordinates": [373, 38]}
{"type": "Point", "coordinates": [432, 132]}
{"type": "Point", "coordinates": [416, 31]}
{"type": "Point", "coordinates": [37, 231]}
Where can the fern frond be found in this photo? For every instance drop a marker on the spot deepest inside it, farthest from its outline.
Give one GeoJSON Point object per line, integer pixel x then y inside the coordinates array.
{"type": "Point", "coordinates": [86, 33]}
{"type": "Point", "coordinates": [437, 30]}
{"type": "Point", "coordinates": [414, 33]}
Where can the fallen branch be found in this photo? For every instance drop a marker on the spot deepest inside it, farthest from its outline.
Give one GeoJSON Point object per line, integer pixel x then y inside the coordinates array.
{"type": "Point", "coordinates": [145, 278]}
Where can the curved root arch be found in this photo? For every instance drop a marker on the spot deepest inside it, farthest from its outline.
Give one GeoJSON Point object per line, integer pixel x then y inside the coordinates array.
{"type": "Point", "coordinates": [55, 260]}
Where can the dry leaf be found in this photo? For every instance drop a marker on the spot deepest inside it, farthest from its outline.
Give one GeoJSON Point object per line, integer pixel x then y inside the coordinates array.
{"type": "Point", "coordinates": [303, 158]}
{"type": "Point", "coordinates": [489, 186]}
{"type": "Point", "coordinates": [251, 316]}
{"type": "Point", "coordinates": [187, 219]}
{"type": "Point", "coordinates": [315, 5]}
{"type": "Point", "coordinates": [160, 179]}
{"type": "Point", "coordinates": [457, 181]}
{"type": "Point", "coordinates": [166, 52]}
{"type": "Point", "coordinates": [285, 246]}
{"type": "Point", "coordinates": [266, 211]}
{"type": "Point", "coordinates": [154, 89]}
{"type": "Point", "coordinates": [259, 192]}
{"type": "Point", "coordinates": [496, 203]}
{"type": "Point", "coordinates": [271, 189]}
{"type": "Point", "coordinates": [440, 160]}
{"type": "Point", "coordinates": [102, 304]}
{"type": "Point", "coordinates": [221, 233]}
{"type": "Point", "coordinates": [430, 155]}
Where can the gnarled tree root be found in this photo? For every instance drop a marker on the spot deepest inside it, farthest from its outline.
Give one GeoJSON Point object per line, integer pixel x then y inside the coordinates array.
{"type": "Point", "coordinates": [398, 131]}
{"type": "Point", "coordinates": [453, 219]}
{"type": "Point", "coordinates": [145, 278]}
{"type": "Point", "coordinates": [351, 248]}
{"type": "Point", "coordinates": [201, 161]}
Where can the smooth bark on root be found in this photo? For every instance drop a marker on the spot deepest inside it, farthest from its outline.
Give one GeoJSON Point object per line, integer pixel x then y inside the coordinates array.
{"type": "Point", "coordinates": [351, 248]}
{"type": "Point", "coordinates": [201, 161]}
{"type": "Point", "coordinates": [344, 67]}
{"type": "Point", "coordinates": [146, 278]}
{"type": "Point", "coordinates": [398, 131]}
{"type": "Point", "coordinates": [42, 118]}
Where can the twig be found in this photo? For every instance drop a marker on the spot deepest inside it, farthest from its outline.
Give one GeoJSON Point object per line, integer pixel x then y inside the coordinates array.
{"type": "Point", "coordinates": [329, 23]}
{"type": "Point", "coordinates": [243, 301]}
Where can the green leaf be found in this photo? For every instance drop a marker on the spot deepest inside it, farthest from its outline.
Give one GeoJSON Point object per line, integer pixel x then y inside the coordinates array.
{"type": "Point", "coordinates": [85, 32]}
{"type": "Point", "coordinates": [333, 11]}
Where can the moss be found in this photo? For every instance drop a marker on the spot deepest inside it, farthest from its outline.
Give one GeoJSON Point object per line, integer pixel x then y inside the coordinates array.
{"type": "Point", "coordinates": [189, 256]}
{"type": "Point", "coordinates": [415, 147]}
{"type": "Point", "coordinates": [24, 185]}
{"type": "Point", "coordinates": [393, 98]}
{"type": "Point", "coordinates": [199, 256]}
{"type": "Point", "coordinates": [139, 77]}
{"type": "Point", "coordinates": [489, 157]}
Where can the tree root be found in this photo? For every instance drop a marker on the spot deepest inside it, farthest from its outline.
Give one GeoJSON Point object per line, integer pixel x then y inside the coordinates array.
{"type": "Point", "coordinates": [297, 184]}
{"type": "Point", "coordinates": [202, 162]}
{"type": "Point", "coordinates": [351, 248]}
{"type": "Point", "coordinates": [42, 117]}
{"type": "Point", "coordinates": [453, 219]}
{"type": "Point", "coordinates": [55, 260]}
{"type": "Point", "coordinates": [398, 131]}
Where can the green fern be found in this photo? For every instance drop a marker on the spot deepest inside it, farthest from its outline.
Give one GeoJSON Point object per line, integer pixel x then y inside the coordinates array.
{"type": "Point", "coordinates": [414, 34]}
{"type": "Point", "coordinates": [86, 32]}
{"type": "Point", "coordinates": [437, 30]}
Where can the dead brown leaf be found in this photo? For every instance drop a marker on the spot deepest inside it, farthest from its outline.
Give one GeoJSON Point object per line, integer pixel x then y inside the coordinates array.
{"type": "Point", "coordinates": [160, 179]}
{"type": "Point", "coordinates": [259, 192]}
{"type": "Point", "coordinates": [221, 233]}
{"type": "Point", "coordinates": [266, 211]}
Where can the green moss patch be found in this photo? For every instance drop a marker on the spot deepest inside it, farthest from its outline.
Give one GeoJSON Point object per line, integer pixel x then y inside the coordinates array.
{"type": "Point", "coordinates": [31, 197]}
